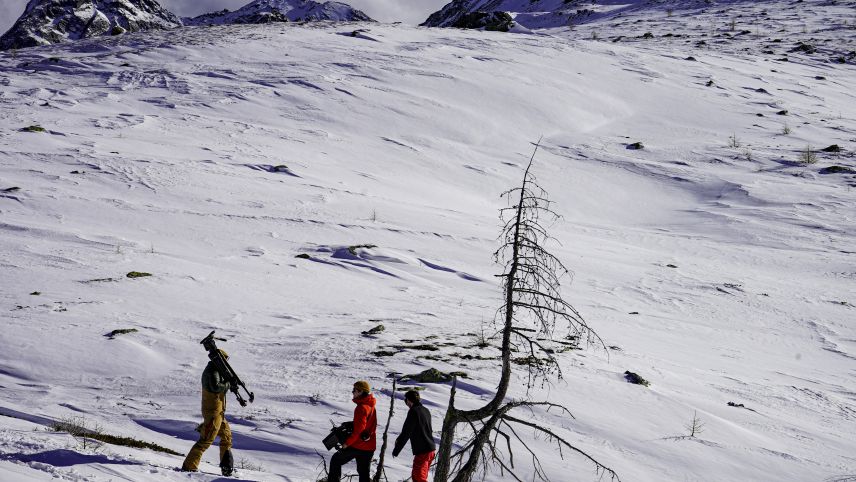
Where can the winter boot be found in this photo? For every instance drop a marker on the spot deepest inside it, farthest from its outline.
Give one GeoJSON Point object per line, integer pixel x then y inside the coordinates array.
{"type": "Point", "coordinates": [227, 464]}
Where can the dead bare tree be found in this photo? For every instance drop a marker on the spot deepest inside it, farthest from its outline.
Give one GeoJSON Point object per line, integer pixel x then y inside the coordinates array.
{"type": "Point", "coordinates": [380, 472]}
{"type": "Point", "coordinates": [532, 313]}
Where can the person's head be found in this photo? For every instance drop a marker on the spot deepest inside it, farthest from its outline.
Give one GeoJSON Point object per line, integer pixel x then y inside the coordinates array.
{"type": "Point", "coordinates": [361, 389]}
{"type": "Point", "coordinates": [411, 398]}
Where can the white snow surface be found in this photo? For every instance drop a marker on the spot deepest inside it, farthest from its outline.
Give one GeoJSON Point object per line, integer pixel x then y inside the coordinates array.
{"type": "Point", "coordinates": [712, 262]}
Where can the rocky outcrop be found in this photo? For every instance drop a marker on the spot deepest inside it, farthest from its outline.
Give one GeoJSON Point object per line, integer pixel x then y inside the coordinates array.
{"type": "Point", "coordinates": [53, 21]}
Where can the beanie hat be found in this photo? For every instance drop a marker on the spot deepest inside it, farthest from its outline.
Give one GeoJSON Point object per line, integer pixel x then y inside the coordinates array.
{"type": "Point", "coordinates": [363, 386]}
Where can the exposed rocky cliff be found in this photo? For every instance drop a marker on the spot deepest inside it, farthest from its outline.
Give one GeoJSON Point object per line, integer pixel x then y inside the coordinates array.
{"type": "Point", "coordinates": [53, 21]}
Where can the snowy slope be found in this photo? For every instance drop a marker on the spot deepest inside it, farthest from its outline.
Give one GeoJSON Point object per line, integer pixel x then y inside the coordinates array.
{"type": "Point", "coordinates": [712, 262]}
{"type": "Point", "coordinates": [54, 21]}
{"type": "Point", "coordinates": [264, 11]}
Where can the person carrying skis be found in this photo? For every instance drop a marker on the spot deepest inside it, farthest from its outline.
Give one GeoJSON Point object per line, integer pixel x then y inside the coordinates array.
{"type": "Point", "coordinates": [362, 443]}
{"type": "Point", "coordinates": [417, 429]}
{"type": "Point", "coordinates": [214, 389]}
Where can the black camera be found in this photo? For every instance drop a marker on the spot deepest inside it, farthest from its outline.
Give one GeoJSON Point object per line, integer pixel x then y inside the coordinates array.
{"type": "Point", "coordinates": [338, 435]}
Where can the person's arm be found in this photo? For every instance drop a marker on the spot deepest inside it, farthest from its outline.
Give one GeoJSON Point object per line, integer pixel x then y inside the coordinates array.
{"type": "Point", "coordinates": [406, 431]}
{"type": "Point", "coordinates": [213, 381]}
{"type": "Point", "coordinates": [361, 420]}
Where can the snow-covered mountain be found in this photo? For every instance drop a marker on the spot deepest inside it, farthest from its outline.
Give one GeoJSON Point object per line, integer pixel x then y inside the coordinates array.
{"type": "Point", "coordinates": [268, 11]}
{"type": "Point", "coordinates": [535, 14]}
{"type": "Point", "coordinates": [295, 185]}
{"type": "Point", "coordinates": [54, 21]}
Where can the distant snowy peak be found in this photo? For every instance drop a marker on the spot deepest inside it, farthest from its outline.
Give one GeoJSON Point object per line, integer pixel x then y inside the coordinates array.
{"type": "Point", "coordinates": [547, 13]}
{"type": "Point", "coordinates": [267, 11]}
{"type": "Point", "coordinates": [479, 13]}
{"type": "Point", "coordinates": [53, 21]}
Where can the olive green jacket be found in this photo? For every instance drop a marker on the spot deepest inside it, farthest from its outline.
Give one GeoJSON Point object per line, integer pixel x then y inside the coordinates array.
{"type": "Point", "coordinates": [212, 381]}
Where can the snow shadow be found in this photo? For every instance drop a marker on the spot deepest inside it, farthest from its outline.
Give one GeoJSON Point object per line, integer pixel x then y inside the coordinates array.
{"type": "Point", "coordinates": [186, 431]}
{"type": "Point", "coordinates": [26, 416]}
{"type": "Point", "coordinates": [463, 275]}
{"type": "Point", "coordinates": [67, 458]}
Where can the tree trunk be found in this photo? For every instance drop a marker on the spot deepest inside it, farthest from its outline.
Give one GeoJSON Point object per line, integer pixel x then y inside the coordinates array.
{"type": "Point", "coordinates": [380, 471]}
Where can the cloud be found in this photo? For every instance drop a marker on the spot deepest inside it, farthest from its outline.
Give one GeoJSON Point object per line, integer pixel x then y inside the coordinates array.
{"type": "Point", "coordinates": [407, 11]}
{"type": "Point", "coordinates": [411, 12]}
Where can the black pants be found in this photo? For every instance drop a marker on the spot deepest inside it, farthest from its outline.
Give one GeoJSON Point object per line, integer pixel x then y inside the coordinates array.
{"type": "Point", "coordinates": [342, 457]}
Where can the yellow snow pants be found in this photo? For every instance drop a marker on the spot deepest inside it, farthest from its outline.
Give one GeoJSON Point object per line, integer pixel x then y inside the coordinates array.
{"type": "Point", "coordinates": [214, 425]}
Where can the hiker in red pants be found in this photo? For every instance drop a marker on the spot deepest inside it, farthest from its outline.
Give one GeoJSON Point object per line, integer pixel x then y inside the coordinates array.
{"type": "Point", "coordinates": [417, 429]}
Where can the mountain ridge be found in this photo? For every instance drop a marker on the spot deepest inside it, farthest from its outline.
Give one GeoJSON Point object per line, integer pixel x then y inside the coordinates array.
{"type": "Point", "coordinates": [267, 11]}
{"type": "Point", "coordinates": [47, 22]}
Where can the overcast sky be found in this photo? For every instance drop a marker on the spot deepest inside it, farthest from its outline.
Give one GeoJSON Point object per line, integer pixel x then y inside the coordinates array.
{"type": "Point", "coordinates": [407, 11]}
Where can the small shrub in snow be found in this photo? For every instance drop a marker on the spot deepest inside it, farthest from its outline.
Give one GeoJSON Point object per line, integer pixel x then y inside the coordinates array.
{"type": "Point", "coordinates": [833, 148]}
{"type": "Point", "coordinates": [696, 426]}
{"type": "Point", "coordinates": [89, 433]}
{"type": "Point", "coordinates": [303, 256]}
{"type": "Point", "coordinates": [117, 30]}
{"type": "Point", "coordinates": [808, 156]}
{"type": "Point", "coordinates": [246, 464]}
{"type": "Point", "coordinates": [786, 130]}
{"type": "Point", "coordinates": [137, 274]}
{"type": "Point", "coordinates": [733, 141]}
{"type": "Point", "coordinates": [33, 128]}
{"type": "Point", "coordinates": [635, 146]}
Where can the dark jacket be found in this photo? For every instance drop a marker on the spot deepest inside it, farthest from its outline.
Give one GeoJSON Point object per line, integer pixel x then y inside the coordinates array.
{"type": "Point", "coordinates": [212, 381]}
{"type": "Point", "coordinates": [417, 429]}
{"type": "Point", "coordinates": [214, 390]}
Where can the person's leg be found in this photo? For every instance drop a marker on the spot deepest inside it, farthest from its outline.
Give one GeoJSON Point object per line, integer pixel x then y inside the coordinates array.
{"type": "Point", "coordinates": [210, 427]}
{"type": "Point", "coordinates": [421, 466]}
{"type": "Point", "coordinates": [227, 462]}
{"type": "Point", "coordinates": [364, 464]}
{"type": "Point", "coordinates": [225, 434]}
{"type": "Point", "coordinates": [339, 459]}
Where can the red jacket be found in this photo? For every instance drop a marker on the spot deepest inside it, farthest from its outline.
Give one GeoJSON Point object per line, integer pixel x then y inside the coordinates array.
{"type": "Point", "coordinates": [365, 420]}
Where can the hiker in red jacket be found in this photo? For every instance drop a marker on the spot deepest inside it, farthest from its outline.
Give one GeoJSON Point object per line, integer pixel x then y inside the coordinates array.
{"type": "Point", "coordinates": [362, 443]}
